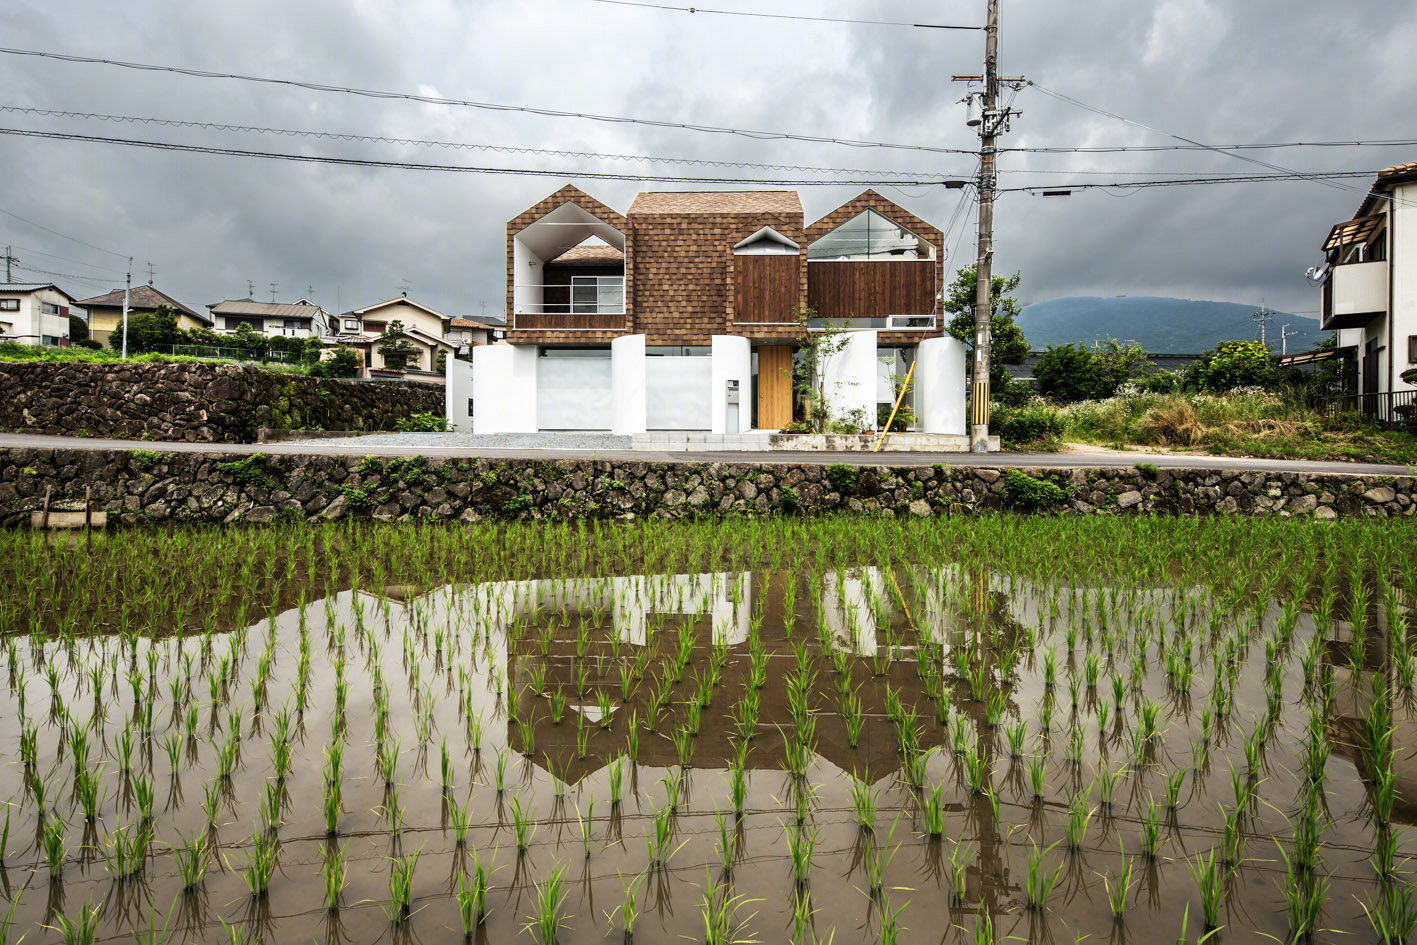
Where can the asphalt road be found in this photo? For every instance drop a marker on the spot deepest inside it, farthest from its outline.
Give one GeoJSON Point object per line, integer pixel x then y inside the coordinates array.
{"type": "Point", "coordinates": [995, 460]}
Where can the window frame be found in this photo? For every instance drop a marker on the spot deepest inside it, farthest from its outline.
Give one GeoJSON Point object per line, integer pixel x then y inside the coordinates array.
{"type": "Point", "coordinates": [600, 283]}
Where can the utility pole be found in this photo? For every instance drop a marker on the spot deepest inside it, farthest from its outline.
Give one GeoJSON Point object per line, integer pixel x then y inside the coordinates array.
{"type": "Point", "coordinates": [9, 258]}
{"type": "Point", "coordinates": [984, 111]}
{"type": "Point", "coordinates": [1284, 334]}
{"type": "Point", "coordinates": [1263, 316]}
{"type": "Point", "coordinates": [127, 288]}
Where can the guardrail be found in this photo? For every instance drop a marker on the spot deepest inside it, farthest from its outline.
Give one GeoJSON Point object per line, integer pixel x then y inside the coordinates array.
{"type": "Point", "coordinates": [1389, 409]}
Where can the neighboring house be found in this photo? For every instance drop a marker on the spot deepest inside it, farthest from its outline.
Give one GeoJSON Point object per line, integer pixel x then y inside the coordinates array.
{"type": "Point", "coordinates": [467, 333]}
{"type": "Point", "coordinates": [301, 319]}
{"type": "Point", "coordinates": [682, 314]}
{"type": "Point", "coordinates": [35, 313]}
{"type": "Point", "coordinates": [1370, 293]}
{"type": "Point", "coordinates": [106, 311]}
{"type": "Point", "coordinates": [428, 330]}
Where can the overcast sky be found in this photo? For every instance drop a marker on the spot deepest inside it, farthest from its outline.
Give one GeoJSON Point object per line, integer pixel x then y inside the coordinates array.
{"type": "Point", "coordinates": [1218, 71]}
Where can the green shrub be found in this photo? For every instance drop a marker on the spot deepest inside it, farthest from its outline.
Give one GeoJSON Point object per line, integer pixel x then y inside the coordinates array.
{"type": "Point", "coordinates": [1029, 492]}
{"type": "Point", "coordinates": [1035, 424]}
{"type": "Point", "coordinates": [342, 362]}
{"type": "Point", "coordinates": [1066, 373]}
{"type": "Point", "coordinates": [787, 499]}
{"type": "Point", "coordinates": [422, 423]}
{"type": "Point", "coordinates": [842, 477]}
{"type": "Point", "coordinates": [356, 497]}
{"type": "Point", "coordinates": [1232, 364]}
{"type": "Point", "coordinates": [249, 470]}
{"type": "Point", "coordinates": [1149, 470]}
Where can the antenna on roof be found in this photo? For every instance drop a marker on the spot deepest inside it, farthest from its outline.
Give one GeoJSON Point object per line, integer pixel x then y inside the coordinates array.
{"type": "Point", "coordinates": [151, 272]}
{"type": "Point", "coordinates": [404, 286]}
{"type": "Point", "coordinates": [273, 286]}
{"type": "Point", "coordinates": [250, 289]}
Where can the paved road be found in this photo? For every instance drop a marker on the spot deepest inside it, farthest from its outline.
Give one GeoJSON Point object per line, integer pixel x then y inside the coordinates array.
{"type": "Point", "coordinates": [1173, 460]}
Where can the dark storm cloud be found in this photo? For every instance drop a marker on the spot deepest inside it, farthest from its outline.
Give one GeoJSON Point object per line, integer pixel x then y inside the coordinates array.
{"type": "Point", "coordinates": [1223, 72]}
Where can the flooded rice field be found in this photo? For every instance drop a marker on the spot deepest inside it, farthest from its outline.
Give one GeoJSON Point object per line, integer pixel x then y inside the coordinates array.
{"type": "Point", "coordinates": [852, 731]}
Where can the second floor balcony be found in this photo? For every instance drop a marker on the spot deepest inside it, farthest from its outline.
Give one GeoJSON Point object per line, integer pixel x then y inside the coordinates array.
{"type": "Point", "coordinates": [1355, 294]}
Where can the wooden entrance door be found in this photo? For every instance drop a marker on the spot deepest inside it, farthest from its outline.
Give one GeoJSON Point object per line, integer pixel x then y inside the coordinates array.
{"type": "Point", "coordinates": [774, 387]}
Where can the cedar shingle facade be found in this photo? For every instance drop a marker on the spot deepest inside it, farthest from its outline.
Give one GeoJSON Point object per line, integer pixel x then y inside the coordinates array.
{"type": "Point", "coordinates": [683, 282]}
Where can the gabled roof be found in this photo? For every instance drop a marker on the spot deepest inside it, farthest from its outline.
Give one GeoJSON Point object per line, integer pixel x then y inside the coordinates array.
{"type": "Point", "coordinates": [717, 201]}
{"type": "Point", "coordinates": [593, 253]}
{"type": "Point", "coordinates": [35, 287]}
{"type": "Point", "coordinates": [870, 200]}
{"type": "Point", "coordinates": [265, 309]}
{"type": "Point", "coordinates": [143, 298]}
{"type": "Point", "coordinates": [401, 299]}
{"type": "Point", "coordinates": [1398, 173]}
{"type": "Point", "coordinates": [489, 323]}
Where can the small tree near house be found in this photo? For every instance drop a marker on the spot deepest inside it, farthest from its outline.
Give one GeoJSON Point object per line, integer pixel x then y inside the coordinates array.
{"type": "Point", "coordinates": [815, 347]}
{"type": "Point", "coordinates": [396, 346]}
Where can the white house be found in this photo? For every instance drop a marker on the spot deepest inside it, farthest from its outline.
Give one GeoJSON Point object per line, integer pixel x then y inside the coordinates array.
{"type": "Point", "coordinates": [302, 319]}
{"type": "Point", "coordinates": [35, 313]}
{"type": "Point", "coordinates": [1370, 290]}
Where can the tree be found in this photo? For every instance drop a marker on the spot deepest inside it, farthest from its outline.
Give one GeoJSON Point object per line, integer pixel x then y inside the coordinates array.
{"type": "Point", "coordinates": [1232, 364]}
{"type": "Point", "coordinates": [815, 347]}
{"type": "Point", "coordinates": [343, 361]}
{"type": "Point", "coordinates": [148, 331]}
{"type": "Point", "coordinates": [1066, 373]}
{"type": "Point", "coordinates": [78, 329]}
{"type": "Point", "coordinates": [1117, 362]}
{"type": "Point", "coordinates": [396, 346]}
{"type": "Point", "coordinates": [1007, 344]}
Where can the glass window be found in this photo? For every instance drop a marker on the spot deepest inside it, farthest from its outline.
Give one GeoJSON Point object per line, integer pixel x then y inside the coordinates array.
{"type": "Point", "coordinates": [868, 235]}
{"type": "Point", "coordinates": [351, 324]}
{"type": "Point", "coordinates": [9, 305]}
{"type": "Point", "coordinates": [678, 351]}
{"type": "Point", "coordinates": [49, 308]}
{"type": "Point", "coordinates": [597, 295]}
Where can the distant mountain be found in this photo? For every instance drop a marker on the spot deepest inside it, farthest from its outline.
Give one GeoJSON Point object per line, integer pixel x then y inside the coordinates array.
{"type": "Point", "coordinates": [1170, 326]}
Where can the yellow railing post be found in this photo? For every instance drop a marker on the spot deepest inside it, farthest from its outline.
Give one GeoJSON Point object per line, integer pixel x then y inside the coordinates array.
{"type": "Point", "coordinates": [903, 388]}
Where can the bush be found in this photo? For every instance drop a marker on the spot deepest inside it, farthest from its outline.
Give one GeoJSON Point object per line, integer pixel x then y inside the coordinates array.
{"type": "Point", "coordinates": [1029, 492]}
{"type": "Point", "coordinates": [343, 362]}
{"type": "Point", "coordinates": [842, 477]}
{"type": "Point", "coordinates": [422, 423]}
{"type": "Point", "coordinates": [78, 329]}
{"type": "Point", "coordinates": [1035, 424]}
{"type": "Point", "coordinates": [1066, 373]}
{"type": "Point", "coordinates": [88, 343]}
{"type": "Point", "coordinates": [1116, 363]}
{"type": "Point", "coordinates": [1232, 364]}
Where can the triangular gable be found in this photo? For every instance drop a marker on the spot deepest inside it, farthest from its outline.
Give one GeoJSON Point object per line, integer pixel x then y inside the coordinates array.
{"type": "Point", "coordinates": [568, 194]}
{"type": "Point", "coordinates": [405, 300]}
{"type": "Point", "coordinates": [766, 235]}
{"type": "Point", "coordinates": [870, 200]}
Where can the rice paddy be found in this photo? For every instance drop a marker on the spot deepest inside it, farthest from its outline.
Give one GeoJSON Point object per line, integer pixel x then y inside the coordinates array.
{"type": "Point", "coordinates": [844, 730]}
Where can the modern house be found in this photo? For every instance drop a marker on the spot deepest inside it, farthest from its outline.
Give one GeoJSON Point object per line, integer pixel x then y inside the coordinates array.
{"type": "Point", "coordinates": [301, 319]}
{"type": "Point", "coordinates": [1370, 289]}
{"type": "Point", "coordinates": [685, 313]}
{"type": "Point", "coordinates": [35, 313]}
{"type": "Point", "coordinates": [106, 311]}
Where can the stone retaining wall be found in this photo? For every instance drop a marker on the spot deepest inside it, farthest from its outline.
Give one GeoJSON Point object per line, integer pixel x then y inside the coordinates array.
{"type": "Point", "coordinates": [196, 402]}
{"type": "Point", "coordinates": [138, 487]}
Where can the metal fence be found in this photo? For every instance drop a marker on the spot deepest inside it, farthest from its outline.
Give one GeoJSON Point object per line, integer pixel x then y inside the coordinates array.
{"type": "Point", "coordinates": [234, 354]}
{"type": "Point", "coordinates": [1389, 409]}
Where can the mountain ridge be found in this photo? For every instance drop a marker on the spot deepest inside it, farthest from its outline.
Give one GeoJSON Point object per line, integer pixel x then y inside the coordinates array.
{"type": "Point", "coordinates": [1158, 323]}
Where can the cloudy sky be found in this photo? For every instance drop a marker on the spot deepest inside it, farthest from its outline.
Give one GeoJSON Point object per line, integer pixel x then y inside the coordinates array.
{"type": "Point", "coordinates": [1216, 71]}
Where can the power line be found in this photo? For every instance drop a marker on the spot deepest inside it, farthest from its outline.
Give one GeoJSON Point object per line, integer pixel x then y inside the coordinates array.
{"type": "Point", "coordinates": [785, 16]}
{"type": "Point", "coordinates": [80, 262]}
{"type": "Point", "coordinates": [451, 168]}
{"type": "Point", "coordinates": [71, 239]}
{"type": "Point", "coordinates": [487, 106]}
{"type": "Point", "coordinates": [423, 142]}
{"type": "Point", "coordinates": [1120, 149]}
{"type": "Point", "coordinates": [1189, 181]}
{"type": "Point", "coordinates": [87, 280]}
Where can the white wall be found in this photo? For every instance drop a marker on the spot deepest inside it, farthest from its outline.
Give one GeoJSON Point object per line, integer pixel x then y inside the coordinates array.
{"type": "Point", "coordinates": [678, 393]}
{"type": "Point", "coordinates": [733, 360]}
{"type": "Point", "coordinates": [850, 377]}
{"type": "Point", "coordinates": [457, 392]}
{"type": "Point", "coordinates": [527, 278]}
{"type": "Point", "coordinates": [504, 388]}
{"type": "Point", "coordinates": [1403, 259]}
{"type": "Point", "coordinates": [939, 386]}
{"type": "Point", "coordinates": [574, 393]}
{"type": "Point", "coordinates": [627, 383]}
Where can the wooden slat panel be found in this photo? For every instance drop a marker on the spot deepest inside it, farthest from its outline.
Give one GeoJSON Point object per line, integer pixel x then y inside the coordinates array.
{"type": "Point", "coordinates": [765, 288]}
{"type": "Point", "coordinates": [774, 387]}
{"type": "Point", "coordinates": [535, 322]}
{"type": "Point", "coordinates": [871, 289]}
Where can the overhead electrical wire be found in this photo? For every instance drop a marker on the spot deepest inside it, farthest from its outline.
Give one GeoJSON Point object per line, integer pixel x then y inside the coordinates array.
{"type": "Point", "coordinates": [69, 259]}
{"type": "Point", "coordinates": [65, 236]}
{"type": "Point", "coordinates": [1191, 181]}
{"type": "Point", "coordinates": [785, 16]}
{"type": "Point", "coordinates": [953, 183]}
{"type": "Point", "coordinates": [1139, 148]}
{"type": "Point", "coordinates": [908, 176]}
{"type": "Point", "coordinates": [487, 106]}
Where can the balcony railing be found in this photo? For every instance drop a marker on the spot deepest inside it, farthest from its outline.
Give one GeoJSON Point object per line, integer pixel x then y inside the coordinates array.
{"type": "Point", "coordinates": [1388, 409]}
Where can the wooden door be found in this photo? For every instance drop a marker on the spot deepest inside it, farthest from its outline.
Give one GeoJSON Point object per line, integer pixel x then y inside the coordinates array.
{"type": "Point", "coordinates": [774, 387]}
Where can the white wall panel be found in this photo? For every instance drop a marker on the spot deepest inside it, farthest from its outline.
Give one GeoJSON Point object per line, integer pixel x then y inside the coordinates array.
{"type": "Point", "coordinates": [677, 393]}
{"type": "Point", "coordinates": [574, 394]}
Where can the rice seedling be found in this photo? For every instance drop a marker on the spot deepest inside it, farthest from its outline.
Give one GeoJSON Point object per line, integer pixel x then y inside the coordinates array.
{"type": "Point", "coordinates": [1210, 876]}
{"type": "Point", "coordinates": [1151, 831]}
{"type": "Point", "coordinates": [260, 864]}
{"type": "Point", "coordinates": [738, 787]}
{"type": "Point", "coordinates": [82, 930]}
{"type": "Point", "coordinates": [961, 858]}
{"type": "Point", "coordinates": [1118, 885]}
{"type": "Point", "coordinates": [54, 843]}
{"type": "Point", "coordinates": [1037, 776]}
{"type": "Point", "coordinates": [878, 857]}
{"type": "Point", "coordinates": [1079, 816]}
{"type": "Point", "coordinates": [1039, 884]}
{"type": "Point", "coordinates": [551, 895]}
{"type": "Point", "coordinates": [192, 859]}
{"type": "Point", "coordinates": [401, 870]}
{"type": "Point", "coordinates": [801, 847]}
{"type": "Point", "coordinates": [1304, 898]}
{"type": "Point", "coordinates": [864, 802]}
{"type": "Point", "coordinates": [1174, 780]}
{"type": "Point", "coordinates": [1394, 915]}
{"type": "Point", "coordinates": [334, 871]}
{"type": "Point", "coordinates": [523, 827]}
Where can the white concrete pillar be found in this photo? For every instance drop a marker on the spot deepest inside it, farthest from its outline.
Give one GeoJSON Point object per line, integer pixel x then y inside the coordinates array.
{"type": "Point", "coordinates": [504, 388]}
{"type": "Point", "coordinates": [850, 378]}
{"type": "Point", "coordinates": [627, 384]}
{"type": "Point", "coordinates": [732, 360]}
{"type": "Point", "coordinates": [457, 395]}
{"type": "Point", "coordinates": [939, 386]}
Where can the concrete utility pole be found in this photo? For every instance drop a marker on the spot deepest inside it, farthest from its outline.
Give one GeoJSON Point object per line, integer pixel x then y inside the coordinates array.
{"type": "Point", "coordinates": [9, 258]}
{"type": "Point", "coordinates": [1264, 316]}
{"type": "Point", "coordinates": [984, 269]}
{"type": "Point", "coordinates": [127, 288]}
{"type": "Point", "coordinates": [1284, 336]}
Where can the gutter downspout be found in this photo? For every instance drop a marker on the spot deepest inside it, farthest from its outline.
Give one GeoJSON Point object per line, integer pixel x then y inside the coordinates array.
{"type": "Point", "coordinates": [1391, 285]}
